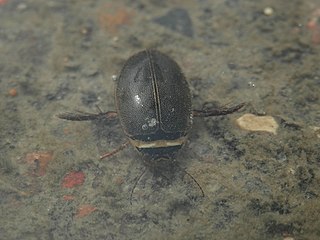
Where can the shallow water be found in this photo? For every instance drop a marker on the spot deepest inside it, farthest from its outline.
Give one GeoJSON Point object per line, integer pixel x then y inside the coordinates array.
{"type": "Point", "coordinates": [60, 56]}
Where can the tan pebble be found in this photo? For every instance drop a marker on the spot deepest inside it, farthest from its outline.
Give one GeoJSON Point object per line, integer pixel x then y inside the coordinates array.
{"type": "Point", "coordinates": [258, 123]}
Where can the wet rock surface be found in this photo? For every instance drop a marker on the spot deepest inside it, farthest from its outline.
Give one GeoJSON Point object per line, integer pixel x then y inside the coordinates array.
{"type": "Point", "coordinates": [62, 56]}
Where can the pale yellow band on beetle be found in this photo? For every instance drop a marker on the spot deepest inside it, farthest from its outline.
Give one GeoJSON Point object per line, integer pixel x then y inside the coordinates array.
{"type": "Point", "coordinates": [158, 143]}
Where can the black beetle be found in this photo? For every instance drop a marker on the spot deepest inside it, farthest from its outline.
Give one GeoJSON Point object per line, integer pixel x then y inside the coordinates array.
{"type": "Point", "coordinates": [153, 103]}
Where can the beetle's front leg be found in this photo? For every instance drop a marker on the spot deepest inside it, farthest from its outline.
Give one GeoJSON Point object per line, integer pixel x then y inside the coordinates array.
{"type": "Point", "coordinates": [118, 149]}
{"type": "Point", "coordinates": [217, 111]}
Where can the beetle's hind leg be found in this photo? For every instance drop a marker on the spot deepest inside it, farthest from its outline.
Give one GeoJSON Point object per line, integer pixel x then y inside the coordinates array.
{"type": "Point", "coordinates": [136, 183]}
{"type": "Point", "coordinates": [186, 173]}
{"type": "Point", "coordinates": [217, 111]}
{"type": "Point", "coordinates": [196, 182]}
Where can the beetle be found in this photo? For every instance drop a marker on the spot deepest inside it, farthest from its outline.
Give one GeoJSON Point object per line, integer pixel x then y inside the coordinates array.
{"type": "Point", "coordinates": [153, 104]}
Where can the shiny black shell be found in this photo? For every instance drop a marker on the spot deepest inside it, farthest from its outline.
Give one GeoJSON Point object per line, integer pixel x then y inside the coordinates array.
{"type": "Point", "coordinates": [153, 99]}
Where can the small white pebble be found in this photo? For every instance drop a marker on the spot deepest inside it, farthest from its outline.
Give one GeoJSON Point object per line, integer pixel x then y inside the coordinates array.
{"type": "Point", "coordinates": [316, 130]}
{"type": "Point", "coordinates": [268, 11]}
{"type": "Point", "coordinates": [292, 171]}
{"type": "Point", "coordinates": [251, 84]}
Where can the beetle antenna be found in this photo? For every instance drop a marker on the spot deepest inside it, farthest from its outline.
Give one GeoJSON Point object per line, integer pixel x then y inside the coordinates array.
{"type": "Point", "coordinates": [136, 183]}
{"type": "Point", "coordinates": [118, 149]}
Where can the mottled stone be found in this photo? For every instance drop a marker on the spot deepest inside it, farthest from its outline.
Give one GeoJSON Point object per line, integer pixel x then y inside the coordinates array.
{"type": "Point", "coordinates": [177, 19]}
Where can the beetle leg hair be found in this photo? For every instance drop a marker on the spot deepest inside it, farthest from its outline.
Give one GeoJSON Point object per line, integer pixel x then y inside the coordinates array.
{"type": "Point", "coordinates": [217, 111]}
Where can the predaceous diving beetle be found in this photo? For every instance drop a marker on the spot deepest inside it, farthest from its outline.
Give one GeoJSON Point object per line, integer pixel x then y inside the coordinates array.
{"type": "Point", "coordinates": [153, 104]}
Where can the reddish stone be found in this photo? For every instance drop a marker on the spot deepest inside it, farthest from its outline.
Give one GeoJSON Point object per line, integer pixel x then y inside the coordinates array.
{"type": "Point", "coordinates": [38, 161]}
{"type": "Point", "coordinates": [13, 92]}
{"type": "Point", "coordinates": [85, 210]}
{"type": "Point", "coordinates": [112, 17]}
{"type": "Point", "coordinates": [2, 2]}
{"type": "Point", "coordinates": [73, 179]}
